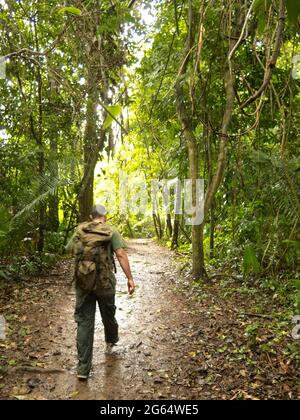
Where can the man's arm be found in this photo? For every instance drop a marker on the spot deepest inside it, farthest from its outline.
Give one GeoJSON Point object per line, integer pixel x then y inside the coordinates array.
{"type": "Point", "coordinates": [124, 263]}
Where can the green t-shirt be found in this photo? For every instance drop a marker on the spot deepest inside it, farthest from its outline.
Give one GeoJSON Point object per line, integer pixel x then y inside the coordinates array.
{"type": "Point", "coordinates": [117, 242]}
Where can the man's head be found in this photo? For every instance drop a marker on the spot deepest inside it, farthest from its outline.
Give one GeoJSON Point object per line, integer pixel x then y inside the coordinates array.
{"type": "Point", "coordinates": [98, 212]}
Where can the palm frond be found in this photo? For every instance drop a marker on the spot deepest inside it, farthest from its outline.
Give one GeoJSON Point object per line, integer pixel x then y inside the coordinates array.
{"type": "Point", "coordinates": [47, 187]}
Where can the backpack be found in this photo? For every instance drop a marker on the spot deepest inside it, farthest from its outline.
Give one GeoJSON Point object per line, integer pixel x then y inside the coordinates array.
{"type": "Point", "coordinates": [93, 256]}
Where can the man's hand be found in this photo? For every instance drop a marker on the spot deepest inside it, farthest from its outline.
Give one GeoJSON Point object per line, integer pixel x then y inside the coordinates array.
{"type": "Point", "coordinates": [123, 260]}
{"type": "Point", "coordinates": [131, 286]}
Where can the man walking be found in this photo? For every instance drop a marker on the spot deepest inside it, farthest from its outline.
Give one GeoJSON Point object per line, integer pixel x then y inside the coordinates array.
{"type": "Point", "coordinates": [95, 242]}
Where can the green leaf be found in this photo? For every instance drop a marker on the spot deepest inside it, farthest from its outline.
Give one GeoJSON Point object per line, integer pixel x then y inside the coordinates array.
{"type": "Point", "coordinates": [293, 10]}
{"type": "Point", "coordinates": [114, 110]}
{"type": "Point", "coordinates": [251, 262]}
{"type": "Point", "coordinates": [298, 302]}
{"type": "Point", "coordinates": [3, 275]}
{"type": "Point", "coordinates": [72, 10]}
{"type": "Point", "coordinates": [294, 244]}
{"type": "Point", "coordinates": [257, 6]}
{"type": "Point", "coordinates": [297, 284]}
{"type": "Point", "coordinates": [260, 8]}
{"type": "Point", "coordinates": [259, 157]}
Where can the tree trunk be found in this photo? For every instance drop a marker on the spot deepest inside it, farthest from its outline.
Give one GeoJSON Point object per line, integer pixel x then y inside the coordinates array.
{"type": "Point", "coordinates": [158, 226]}
{"type": "Point", "coordinates": [41, 165]}
{"type": "Point", "coordinates": [222, 155]}
{"type": "Point", "coordinates": [197, 230]}
{"type": "Point", "coordinates": [39, 140]}
{"type": "Point", "coordinates": [54, 213]}
{"type": "Point", "coordinates": [185, 117]}
{"type": "Point", "coordinates": [54, 200]}
{"type": "Point", "coordinates": [175, 232]}
{"type": "Point", "coordinates": [212, 233]}
{"type": "Point", "coordinates": [169, 228]}
{"type": "Point", "coordinates": [209, 160]}
{"type": "Point", "coordinates": [86, 195]}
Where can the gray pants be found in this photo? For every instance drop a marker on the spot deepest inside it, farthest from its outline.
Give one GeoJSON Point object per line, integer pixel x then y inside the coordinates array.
{"type": "Point", "coordinates": [85, 318]}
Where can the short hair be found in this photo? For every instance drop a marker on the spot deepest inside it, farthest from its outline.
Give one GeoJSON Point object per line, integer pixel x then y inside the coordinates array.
{"type": "Point", "coordinates": [98, 210]}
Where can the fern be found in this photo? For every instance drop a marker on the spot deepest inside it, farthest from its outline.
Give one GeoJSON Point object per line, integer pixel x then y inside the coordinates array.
{"type": "Point", "coordinates": [44, 187]}
{"type": "Point", "coordinates": [284, 193]}
{"type": "Point", "coordinates": [250, 263]}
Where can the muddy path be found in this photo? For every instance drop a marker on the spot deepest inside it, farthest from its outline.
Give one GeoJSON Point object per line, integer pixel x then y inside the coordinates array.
{"type": "Point", "coordinates": [174, 344]}
{"type": "Point", "coordinates": [139, 367]}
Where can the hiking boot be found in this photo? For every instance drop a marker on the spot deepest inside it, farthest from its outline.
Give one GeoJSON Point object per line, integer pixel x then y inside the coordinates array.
{"type": "Point", "coordinates": [82, 377]}
{"type": "Point", "coordinates": [109, 348]}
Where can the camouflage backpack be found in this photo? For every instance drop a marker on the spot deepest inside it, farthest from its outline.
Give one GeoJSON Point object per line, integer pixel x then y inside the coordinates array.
{"type": "Point", "coordinates": [94, 259]}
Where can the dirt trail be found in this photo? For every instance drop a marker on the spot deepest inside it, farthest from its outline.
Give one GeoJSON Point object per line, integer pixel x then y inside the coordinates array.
{"type": "Point", "coordinates": [171, 345]}
{"type": "Point", "coordinates": [139, 368]}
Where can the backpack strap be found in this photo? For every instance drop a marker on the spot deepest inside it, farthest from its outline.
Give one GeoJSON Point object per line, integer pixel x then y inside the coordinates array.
{"type": "Point", "coordinates": [114, 264]}
{"type": "Point", "coordinates": [97, 261]}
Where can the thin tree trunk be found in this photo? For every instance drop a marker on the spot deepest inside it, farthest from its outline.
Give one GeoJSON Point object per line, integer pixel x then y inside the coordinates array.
{"type": "Point", "coordinates": [212, 233]}
{"type": "Point", "coordinates": [86, 195]}
{"type": "Point", "coordinates": [273, 60]}
{"type": "Point", "coordinates": [41, 159]}
{"type": "Point", "coordinates": [157, 225]}
{"type": "Point", "coordinates": [169, 227]}
{"type": "Point", "coordinates": [54, 200]}
{"type": "Point", "coordinates": [160, 228]}
{"type": "Point", "coordinates": [39, 140]}
{"type": "Point", "coordinates": [209, 160]}
{"type": "Point", "coordinates": [175, 232]}
{"type": "Point", "coordinates": [197, 230]}
{"type": "Point", "coordinates": [185, 119]}
{"type": "Point", "coordinates": [221, 163]}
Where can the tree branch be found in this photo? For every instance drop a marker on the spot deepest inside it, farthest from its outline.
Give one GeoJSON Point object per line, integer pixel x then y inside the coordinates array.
{"type": "Point", "coordinates": [242, 32]}
{"type": "Point", "coordinates": [131, 3]}
{"type": "Point", "coordinates": [217, 178]}
{"type": "Point", "coordinates": [272, 62]}
{"type": "Point", "coordinates": [48, 50]}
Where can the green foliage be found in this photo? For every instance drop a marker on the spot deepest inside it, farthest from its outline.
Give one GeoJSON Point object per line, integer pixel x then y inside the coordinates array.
{"type": "Point", "coordinates": [71, 10]}
{"type": "Point", "coordinates": [251, 332]}
{"type": "Point", "coordinates": [250, 262]}
{"type": "Point", "coordinates": [293, 9]}
{"type": "Point", "coordinates": [55, 243]}
{"type": "Point", "coordinates": [30, 265]}
{"type": "Point", "coordinates": [43, 112]}
{"type": "Point", "coordinates": [185, 248]}
{"type": "Point", "coordinates": [297, 286]}
{"type": "Point", "coordinates": [50, 188]}
{"type": "Point", "coordinates": [258, 156]}
{"type": "Point", "coordinates": [3, 275]}
{"type": "Point", "coordinates": [260, 9]}
{"type": "Point", "coordinates": [113, 111]}
{"type": "Point", "coordinates": [4, 226]}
